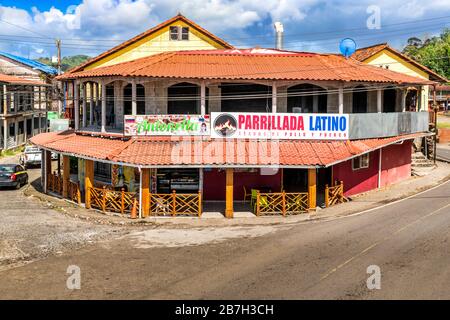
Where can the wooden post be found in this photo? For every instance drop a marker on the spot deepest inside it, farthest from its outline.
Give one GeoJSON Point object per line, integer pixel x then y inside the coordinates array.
{"type": "Point", "coordinates": [312, 188]}
{"type": "Point", "coordinates": [174, 203]}
{"type": "Point", "coordinates": [104, 199]}
{"type": "Point", "coordinates": [327, 197]}
{"type": "Point", "coordinates": [283, 199]}
{"type": "Point", "coordinates": [229, 193]}
{"type": "Point", "coordinates": [257, 203]}
{"type": "Point", "coordinates": [88, 181]}
{"type": "Point", "coordinates": [66, 176]}
{"type": "Point", "coordinates": [199, 203]}
{"type": "Point", "coordinates": [122, 201]}
{"type": "Point", "coordinates": [145, 189]}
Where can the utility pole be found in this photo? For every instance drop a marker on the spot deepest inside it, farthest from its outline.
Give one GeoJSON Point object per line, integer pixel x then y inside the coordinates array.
{"type": "Point", "coordinates": [58, 49]}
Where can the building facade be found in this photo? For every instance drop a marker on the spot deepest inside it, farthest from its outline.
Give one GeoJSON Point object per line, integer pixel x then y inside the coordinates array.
{"type": "Point", "coordinates": [23, 114]}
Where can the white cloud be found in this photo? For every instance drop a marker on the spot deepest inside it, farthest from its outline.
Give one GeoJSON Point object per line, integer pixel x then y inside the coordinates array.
{"type": "Point", "coordinates": [236, 20]}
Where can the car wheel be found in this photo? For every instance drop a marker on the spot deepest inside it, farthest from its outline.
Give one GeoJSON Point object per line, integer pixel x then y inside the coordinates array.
{"type": "Point", "coordinates": [18, 185]}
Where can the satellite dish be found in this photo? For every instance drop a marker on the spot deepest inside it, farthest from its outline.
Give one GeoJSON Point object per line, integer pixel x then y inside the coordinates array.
{"type": "Point", "coordinates": [347, 47]}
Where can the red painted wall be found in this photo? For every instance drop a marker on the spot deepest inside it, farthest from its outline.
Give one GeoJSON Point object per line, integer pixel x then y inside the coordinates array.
{"type": "Point", "coordinates": [214, 183]}
{"type": "Point", "coordinates": [396, 163]}
{"type": "Point", "coordinates": [395, 167]}
{"type": "Point", "coordinates": [357, 181]}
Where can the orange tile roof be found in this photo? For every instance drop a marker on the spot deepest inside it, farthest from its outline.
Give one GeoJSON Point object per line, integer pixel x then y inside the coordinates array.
{"type": "Point", "coordinates": [147, 33]}
{"type": "Point", "coordinates": [249, 64]}
{"type": "Point", "coordinates": [198, 152]}
{"type": "Point", "coordinates": [367, 52]}
{"type": "Point", "coordinates": [19, 81]}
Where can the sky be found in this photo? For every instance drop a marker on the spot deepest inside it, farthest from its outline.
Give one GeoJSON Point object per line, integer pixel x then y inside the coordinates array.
{"type": "Point", "coordinates": [28, 28]}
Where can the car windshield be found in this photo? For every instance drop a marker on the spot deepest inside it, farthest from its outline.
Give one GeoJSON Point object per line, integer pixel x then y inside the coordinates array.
{"type": "Point", "coordinates": [6, 169]}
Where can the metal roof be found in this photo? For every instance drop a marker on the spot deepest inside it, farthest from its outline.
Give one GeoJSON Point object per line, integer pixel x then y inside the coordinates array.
{"type": "Point", "coordinates": [31, 63]}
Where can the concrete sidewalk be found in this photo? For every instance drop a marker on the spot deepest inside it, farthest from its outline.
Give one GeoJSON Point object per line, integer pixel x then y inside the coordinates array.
{"type": "Point", "coordinates": [358, 203]}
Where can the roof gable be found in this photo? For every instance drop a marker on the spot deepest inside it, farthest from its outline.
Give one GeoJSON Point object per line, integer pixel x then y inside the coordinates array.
{"type": "Point", "coordinates": [364, 54]}
{"type": "Point", "coordinates": [121, 48]}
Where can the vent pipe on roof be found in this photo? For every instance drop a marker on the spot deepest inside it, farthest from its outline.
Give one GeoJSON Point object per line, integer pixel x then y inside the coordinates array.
{"type": "Point", "coordinates": [279, 35]}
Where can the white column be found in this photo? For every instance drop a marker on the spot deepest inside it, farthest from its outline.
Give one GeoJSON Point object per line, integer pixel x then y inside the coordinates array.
{"type": "Point", "coordinates": [103, 98]}
{"type": "Point", "coordinates": [39, 123]}
{"type": "Point", "coordinates": [379, 100]}
{"type": "Point", "coordinates": [91, 104]}
{"type": "Point", "coordinates": [5, 133]}
{"type": "Point", "coordinates": [133, 98]}
{"type": "Point", "coordinates": [341, 99]}
{"type": "Point", "coordinates": [76, 104]}
{"type": "Point", "coordinates": [32, 125]}
{"type": "Point", "coordinates": [16, 131]}
{"type": "Point", "coordinates": [84, 105]}
{"type": "Point", "coordinates": [403, 101]}
{"type": "Point", "coordinates": [25, 135]}
{"type": "Point", "coordinates": [203, 98]}
{"type": "Point", "coordinates": [315, 101]}
{"type": "Point", "coordinates": [39, 99]}
{"type": "Point", "coordinates": [274, 97]}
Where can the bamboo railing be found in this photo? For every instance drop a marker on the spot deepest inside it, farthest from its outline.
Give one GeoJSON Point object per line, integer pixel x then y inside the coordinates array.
{"type": "Point", "coordinates": [55, 184]}
{"type": "Point", "coordinates": [174, 204]}
{"type": "Point", "coordinates": [334, 195]}
{"type": "Point", "coordinates": [74, 192]}
{"type": "Point", "coordinates": [284, 203]}
{"type": "Point", "coordinates": [113, 201]}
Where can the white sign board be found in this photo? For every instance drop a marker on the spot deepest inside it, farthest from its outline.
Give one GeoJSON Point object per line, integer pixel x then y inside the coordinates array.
{"type": "Point", "coordinates": [308, 126]}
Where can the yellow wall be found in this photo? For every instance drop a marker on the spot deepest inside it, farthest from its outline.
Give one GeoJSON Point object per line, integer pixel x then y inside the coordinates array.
{"type": "Point", "coordinates": [156, 43]}
{"type": "Point", "coordinates": [398, 64]}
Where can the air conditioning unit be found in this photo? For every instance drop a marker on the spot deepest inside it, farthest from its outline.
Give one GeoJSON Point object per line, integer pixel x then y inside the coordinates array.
{"type": "Point", "coordinates": [297, 110]}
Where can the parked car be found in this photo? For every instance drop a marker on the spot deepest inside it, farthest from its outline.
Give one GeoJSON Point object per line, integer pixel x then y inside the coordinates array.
{"type": "Point", "coordinates": [32, 156]}
{"type": "Point", "coordinates": [13, 175]}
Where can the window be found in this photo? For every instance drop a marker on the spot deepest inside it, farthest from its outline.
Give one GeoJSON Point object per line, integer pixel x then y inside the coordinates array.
{"type": "Point", "coordinates": [361, 162]}
{"type": "Point", "coordinates": [184, 33]}
{"type": "Point", "coordinates": [179, 33]}
{"type": "Point", "coordinates": [102, 171]}
{"type": "Point", "coordinates": [173, 33]}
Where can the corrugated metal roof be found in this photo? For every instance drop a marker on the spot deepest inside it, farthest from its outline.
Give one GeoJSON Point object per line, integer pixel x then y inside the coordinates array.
{"type": "Point", "coordinates": [194, 151]}
{"type": "Point", "coordinates": [249, 65]}
{"type": "Point", "coordinates": [31, 63]}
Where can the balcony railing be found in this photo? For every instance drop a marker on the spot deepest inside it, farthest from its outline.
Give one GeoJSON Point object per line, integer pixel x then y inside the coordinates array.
{"type": "Point", "coordinates": [361, 125]}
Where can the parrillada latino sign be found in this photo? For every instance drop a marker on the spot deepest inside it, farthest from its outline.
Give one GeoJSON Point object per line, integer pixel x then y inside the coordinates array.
{"type": "Point", "coordinates": [166, 125]}
{"type": "Point", "coordinates": [312, 126]}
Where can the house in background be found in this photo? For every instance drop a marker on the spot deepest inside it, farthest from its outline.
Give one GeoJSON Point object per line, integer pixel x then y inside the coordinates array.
{"type": "Point", "coordinates": [442, 97]}
{"type": "Point", "coordinates": [26, 68]}
{"type": "Point", "coordinates": [23, 107]}
{"type": "Point", "coordinates": [386, 57]}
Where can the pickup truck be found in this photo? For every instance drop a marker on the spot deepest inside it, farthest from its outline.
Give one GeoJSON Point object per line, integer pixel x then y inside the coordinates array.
{"type": "Point", "coordinates": [31, 157]}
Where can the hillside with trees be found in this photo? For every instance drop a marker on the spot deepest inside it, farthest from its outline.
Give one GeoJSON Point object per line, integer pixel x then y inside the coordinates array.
{"type": "Point", "coordinates": [67, 62]}
{"type": "Point", "coordinates": [431, 52]}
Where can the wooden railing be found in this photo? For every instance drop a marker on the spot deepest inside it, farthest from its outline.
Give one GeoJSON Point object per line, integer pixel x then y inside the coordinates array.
{"type": "Point", "coordinates": [74, 192]}
{"type": "Point", "coordinates": [114, 201]}
{"type": "Point", "coordinates": [334, 195]}
{"type": "Point", "coordinates": [174, 204]}
{"type": "Point", "coordinates": [283, 203]}
{"type": "Point", "coordinates": [55, 183]}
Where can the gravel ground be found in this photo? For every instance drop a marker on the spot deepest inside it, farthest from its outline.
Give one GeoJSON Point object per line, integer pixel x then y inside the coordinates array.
{"type": "Point", "coordinates": [30, 229]}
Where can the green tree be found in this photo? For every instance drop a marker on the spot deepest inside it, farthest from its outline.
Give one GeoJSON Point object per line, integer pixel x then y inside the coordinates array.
{"type": "Point", "coordinates": [66, 62]}
{"type": "Point", "coordinates": [431, 52]}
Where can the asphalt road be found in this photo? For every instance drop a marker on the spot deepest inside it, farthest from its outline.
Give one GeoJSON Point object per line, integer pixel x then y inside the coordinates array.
{"type": "Point", "coordinates": [408, 240]}
{"type": "Point", "coordinates": [443, 153]}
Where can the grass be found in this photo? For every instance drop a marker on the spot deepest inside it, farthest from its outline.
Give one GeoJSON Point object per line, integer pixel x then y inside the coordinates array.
{"type": "Point", "coordinates": [11, 152]}
{"type": "Point", "coordinates": [443, 125]}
